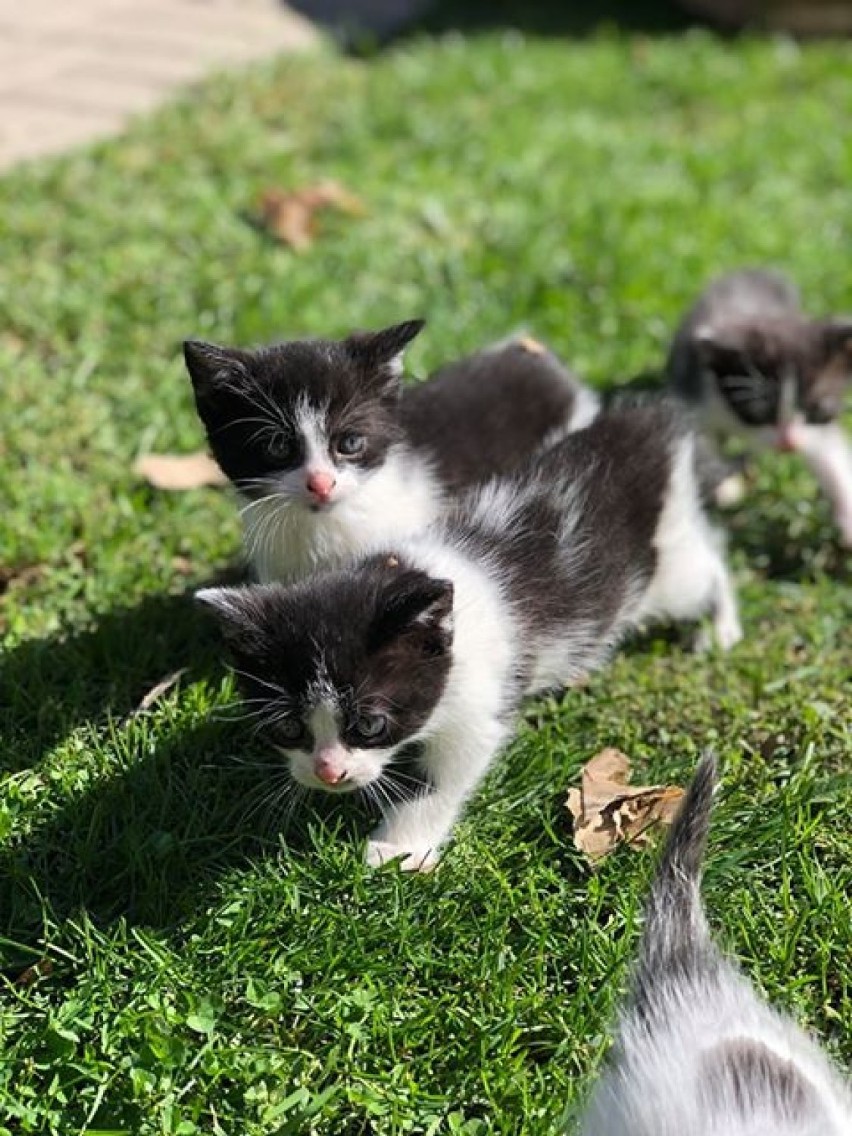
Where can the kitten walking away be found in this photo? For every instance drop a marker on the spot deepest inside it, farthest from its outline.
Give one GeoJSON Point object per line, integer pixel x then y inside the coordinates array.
{"type": "Point", "coordinates": [330, 453]}
{"type": "Point", "coordinates": [697, 1051]}
{"type": "Point", "coordinates": [430, 643]}
{"type": "Point", "coordinates": [756, 367]}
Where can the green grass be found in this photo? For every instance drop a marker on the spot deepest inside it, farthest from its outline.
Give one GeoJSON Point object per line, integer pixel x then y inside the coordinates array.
{"type": "Point", "coordinates": [204, 974]}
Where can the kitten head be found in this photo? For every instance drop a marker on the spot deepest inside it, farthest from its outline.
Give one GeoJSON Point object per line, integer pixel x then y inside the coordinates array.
{"type": "Point", "coordinates": [780, 374]}
{"type": "Point", "coordinates": [342, 670]}
{"type": "Point", "coordinates": [308, 419]}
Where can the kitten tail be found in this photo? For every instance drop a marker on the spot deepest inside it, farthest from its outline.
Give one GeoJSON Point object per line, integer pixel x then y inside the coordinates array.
{"type": "Point", "coordinates": [676, 940]}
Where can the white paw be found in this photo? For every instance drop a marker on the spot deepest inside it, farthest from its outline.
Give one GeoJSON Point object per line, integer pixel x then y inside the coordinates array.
{"type": "Point", "coordinates": [730, 491]}
{"type": "Point", "coordinates": [728, 632]}
{"type": "Point", "coordinates": [724, 634]}
{"type": "Point", "coordinates": [380, 852]}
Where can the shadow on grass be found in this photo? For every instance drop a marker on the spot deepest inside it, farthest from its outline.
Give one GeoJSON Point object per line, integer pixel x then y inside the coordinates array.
{"type": "Point", "coordinates": [51, 686]}
{"type": "Point", "coordinates": [162, 802]}
{"type": "Point", "coordinates": [148, 841]}
{"type": "Point", "coordinates": [778, 545]}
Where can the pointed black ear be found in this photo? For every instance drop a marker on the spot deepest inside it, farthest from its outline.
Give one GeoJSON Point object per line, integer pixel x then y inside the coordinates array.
{"type": "Point", "coordinates": [211, 366]}
{"type": "Point", "coordinates": [385, 349]}
{"type": "Point", "coordinates": [236, 612]}
{"type": "Point", "coordinates": [413, 604]}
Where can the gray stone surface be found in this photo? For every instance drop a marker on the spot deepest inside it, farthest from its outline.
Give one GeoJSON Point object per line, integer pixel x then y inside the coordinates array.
{"type": "Point", "coordinates": [75, 70]}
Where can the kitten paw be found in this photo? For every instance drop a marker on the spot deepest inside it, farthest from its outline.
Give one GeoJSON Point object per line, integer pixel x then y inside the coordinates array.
{"type": "Point", "coordinates": [727, 633]}
{"type": "Point", "coordinates": [380, 852]}
{"type": "Point", "coordinates": [723, 634]}
{"type": "Point", "coordinates": [730, 492]}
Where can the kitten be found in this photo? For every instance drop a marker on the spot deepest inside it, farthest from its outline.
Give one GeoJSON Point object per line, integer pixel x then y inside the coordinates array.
{"type": "Point", "coordinates": [757, 367]}
{"type": "Point", "coordinates": [697, 1051]}
{"type": "Point", "coordinates": [432, 642]}
{"type": "Point", "coordinates": [330, 454]}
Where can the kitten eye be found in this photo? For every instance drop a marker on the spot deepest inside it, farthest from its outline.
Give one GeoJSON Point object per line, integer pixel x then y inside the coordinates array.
{"type": "Point", "coordinates": [289, 728]}
{"type": "Point", "coordinates": [370, 725]}
{"type": "Point", "coordinates": [280, 445]}
{"type": "Point", "coordinates": [350, 444]}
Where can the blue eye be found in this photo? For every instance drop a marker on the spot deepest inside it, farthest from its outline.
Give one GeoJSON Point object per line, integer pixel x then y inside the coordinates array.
{"type": "Point", "coordinates": [370, 726]}
{"type": "Point", "coordinates": [351, 444]}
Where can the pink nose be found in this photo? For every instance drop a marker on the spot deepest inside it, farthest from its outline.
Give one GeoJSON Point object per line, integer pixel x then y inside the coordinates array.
{"type": "Point", "coordinates": [329, 768]}
{"type": "Point", "coordinates": [320, 484]}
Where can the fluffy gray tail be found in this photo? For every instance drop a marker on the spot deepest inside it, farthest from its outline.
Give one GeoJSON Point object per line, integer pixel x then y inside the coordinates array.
{"type": "Point", "coordinates": [676, 943]}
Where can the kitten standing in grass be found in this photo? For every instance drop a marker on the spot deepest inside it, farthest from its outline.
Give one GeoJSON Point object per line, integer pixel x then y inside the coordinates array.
{"type": "Point", "coordinates": [697, 1052]}
{"type": "Point", "coordinates": [430, 643]}
{"type": "Point", "coordinates": [330, 453]}
{"type": "Point", "coordinates": [756, 367]}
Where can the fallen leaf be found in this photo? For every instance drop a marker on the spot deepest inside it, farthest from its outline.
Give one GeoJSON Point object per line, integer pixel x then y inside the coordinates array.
{"type": "Point", "coordinates": [532, 345]}
{"type": "Point", "coordinates": [20, 576]}
{"type": "Point", "coordinates": [608, 811]}
{"type": "Point", "coordinates": [290, 215]}
{"type": "Point", "coordinates": [179, 471]}
{"type": "Point", "coordinates": [182, 565]}
{"type": "Point", "coordinates": [33, 973]}
{"type": "Point", "coordinates": [157, 691]}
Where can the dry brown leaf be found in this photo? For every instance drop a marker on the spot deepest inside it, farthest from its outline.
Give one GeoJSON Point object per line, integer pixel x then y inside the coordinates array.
{"type": "Point", "coordinates": [607, 810]}
{"type": "Point", "coordinates": [32, 974]}
{"type": "Point", "coordinates": [182, 565]}
{"type": "Point", "coordinates": [532, 345]}
{"type": "Point", "coordinates": [290, 215]}
{"type": "Point", "coordinates": [157, 691]}
{"type": "Point", "coordinates": [21, 576]}
{"type": "Point", "coordinates": [179, 471]}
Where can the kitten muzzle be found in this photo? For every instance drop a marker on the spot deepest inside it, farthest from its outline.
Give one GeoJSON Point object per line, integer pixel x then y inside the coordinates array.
{"type": "Point", "coordinates": [330, 765]}
{"type": "Point", "coordinates": [320, 483]}
{"type": "Point", "coordinates": [789, 438]}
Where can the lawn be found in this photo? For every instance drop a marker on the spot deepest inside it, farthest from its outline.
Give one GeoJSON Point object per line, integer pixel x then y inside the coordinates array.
{"type": "Point", "coordinates": [173, 962]}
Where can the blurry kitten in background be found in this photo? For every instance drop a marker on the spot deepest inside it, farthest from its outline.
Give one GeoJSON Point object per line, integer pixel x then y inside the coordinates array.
{"type": "Point", "coordinates": [330, 453]}
{"type": "Point", "coordinates": [528, 584]}
{"type": "Point", "coordinates": [697, 1051]}
{"type": "Point", "coordinates": [756, 367]}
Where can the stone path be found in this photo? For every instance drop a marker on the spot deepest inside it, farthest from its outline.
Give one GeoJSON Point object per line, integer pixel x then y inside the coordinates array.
{"type": "Point", "coordinates": [75, 70]}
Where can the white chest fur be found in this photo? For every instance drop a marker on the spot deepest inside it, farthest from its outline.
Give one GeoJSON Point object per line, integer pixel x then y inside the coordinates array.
{"type": "Point", "coordinates": [286, 540]}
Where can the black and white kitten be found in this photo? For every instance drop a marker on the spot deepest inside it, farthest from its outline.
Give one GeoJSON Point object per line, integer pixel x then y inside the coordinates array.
{"type": "Point", "coordinates": [330, 453]}
{"type": "Point", "coordinates": [697, 1051]}
{"type": "Point", "coordinates": [757, 367]}
{"type": "Point", "coordinates": [432, 642]}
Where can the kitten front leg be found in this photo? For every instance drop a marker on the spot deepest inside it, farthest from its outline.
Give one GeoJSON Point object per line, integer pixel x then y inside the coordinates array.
{"type": "Point", "coordinates": [828, 452]}
{"type": "Point", "coordinates": [416, 830]}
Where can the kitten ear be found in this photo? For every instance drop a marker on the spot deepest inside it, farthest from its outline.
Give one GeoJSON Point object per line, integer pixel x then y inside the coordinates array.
{"type": "Point", "coordinates": [383, 350]}
{"type": "Point", "coordinates": [414, 604]}
{"type": "Point", "coordinates": [211, 366]}
{"type": "Point", "coordinates": [235, 611]}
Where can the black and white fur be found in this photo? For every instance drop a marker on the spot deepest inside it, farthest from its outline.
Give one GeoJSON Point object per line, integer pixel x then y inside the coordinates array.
{"type": "Point", "coordinates": [697, 1051]}
{"type": "Point", "coordinates": [758, 369]}
{"type": "Point", "coordinates": [433, 641]}
{"type": "Point", "coordinates": [331, 454]}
